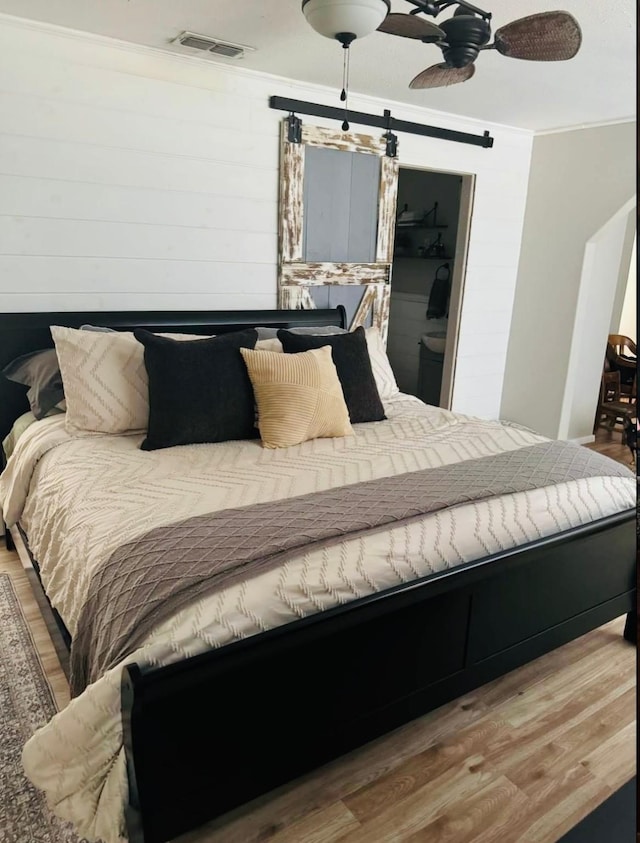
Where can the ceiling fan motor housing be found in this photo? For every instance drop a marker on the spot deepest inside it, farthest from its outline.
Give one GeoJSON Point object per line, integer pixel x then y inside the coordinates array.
{"type": "Point", "coordinates": [466, 34]}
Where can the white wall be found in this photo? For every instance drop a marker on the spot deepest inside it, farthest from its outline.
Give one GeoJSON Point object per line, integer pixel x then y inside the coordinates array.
{"type": "Point", "coordinates": [623, 274]}
{"type": "Point", "coordinates": [628, 324]}
{"type": "Point", "coordinates": [578, 181]}
{"type": "Point", "coordinates": [136, 179]}
{"type": "Point", "coordinates": [602, 259]}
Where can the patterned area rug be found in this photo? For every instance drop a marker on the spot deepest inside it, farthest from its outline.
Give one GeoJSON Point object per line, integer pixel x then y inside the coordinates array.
{"type": "Point", "coordinates": [26, 703]}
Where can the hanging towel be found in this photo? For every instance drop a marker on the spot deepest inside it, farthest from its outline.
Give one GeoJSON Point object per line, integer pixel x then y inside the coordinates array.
{"type": "Point", "coordinates": [439, 295]}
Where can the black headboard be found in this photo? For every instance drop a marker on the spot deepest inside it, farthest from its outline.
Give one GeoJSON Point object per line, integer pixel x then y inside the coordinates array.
{"type": "Point", "coordinates": [24, 332]}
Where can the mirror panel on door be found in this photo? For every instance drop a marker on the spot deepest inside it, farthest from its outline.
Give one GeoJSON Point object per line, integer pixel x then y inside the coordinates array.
{"type": "Point", "coordinates": [340, 206]}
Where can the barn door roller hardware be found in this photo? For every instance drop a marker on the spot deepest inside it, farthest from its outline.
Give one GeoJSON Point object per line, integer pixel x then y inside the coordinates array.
{"type": "Point", "coordinates": [385, 121]}
{"type": "Point", "coordinates": [294, 129]}
{"type": "Point", "coordinates": [391, 140]}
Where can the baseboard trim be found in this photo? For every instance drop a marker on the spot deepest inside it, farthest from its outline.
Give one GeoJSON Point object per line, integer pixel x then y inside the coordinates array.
{"type": "Point", "coordinates": [584, 440]}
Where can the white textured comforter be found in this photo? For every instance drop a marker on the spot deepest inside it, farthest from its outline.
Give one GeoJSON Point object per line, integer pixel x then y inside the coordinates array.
{"type": "Point", "coordinates": [80, 498]}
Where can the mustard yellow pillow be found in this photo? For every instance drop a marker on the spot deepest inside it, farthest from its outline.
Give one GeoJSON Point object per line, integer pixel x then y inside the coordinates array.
{"type": "Point", "coordinates": [299, 396]}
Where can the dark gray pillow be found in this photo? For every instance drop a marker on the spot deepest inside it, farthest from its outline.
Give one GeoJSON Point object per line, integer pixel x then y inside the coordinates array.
{"type": "Point", "coordinates": [351, 357]}
{"type": "Point", "coordinates": [99, 329]}
{"type": "Point", "coordinates": [39, 370]}
{"type": "Point", "coordinates": [199, 390]}
{"type": "Point", "coordinates": [324, 331]}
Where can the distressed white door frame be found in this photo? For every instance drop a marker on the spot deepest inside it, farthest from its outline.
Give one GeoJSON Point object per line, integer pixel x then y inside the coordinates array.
{"type": "Point", "coordinates": [295, 276]}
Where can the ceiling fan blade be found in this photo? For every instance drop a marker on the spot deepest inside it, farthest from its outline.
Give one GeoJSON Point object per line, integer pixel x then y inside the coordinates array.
{"type": "Point", "coordinates": [548, 36]}
{"type": "Point", "coordinates": [410, 26]}
{"type": "Point", "coordinates": [440, 75]}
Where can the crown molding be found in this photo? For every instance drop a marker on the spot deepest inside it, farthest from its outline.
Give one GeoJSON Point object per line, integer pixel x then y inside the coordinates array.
{"type": "Point", "coordinates": [596, 124]}
{"type": "Point", "coordinates": [368, 101]}
{"type": "Point", "coordinates": [364, 101]}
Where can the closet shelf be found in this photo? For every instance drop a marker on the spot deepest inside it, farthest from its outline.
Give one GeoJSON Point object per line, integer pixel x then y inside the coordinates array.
{"type": "Point", "coordinates": [420, 258]}
{"type": "Point", "coordinates": [418, 224]}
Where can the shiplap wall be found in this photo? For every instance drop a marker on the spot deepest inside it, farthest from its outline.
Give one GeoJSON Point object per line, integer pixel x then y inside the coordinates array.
{"type": "Point", "coordinates": [131, 178]}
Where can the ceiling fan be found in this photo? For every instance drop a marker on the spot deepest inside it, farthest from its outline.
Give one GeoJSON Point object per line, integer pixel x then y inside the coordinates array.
{"type": "Point", "coordinates": [547, 36]}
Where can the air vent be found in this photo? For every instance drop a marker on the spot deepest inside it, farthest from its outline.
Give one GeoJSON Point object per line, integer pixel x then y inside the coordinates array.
{"type": "Point", "coordinates": [203, 45]}
{"type": "Point", "coordinates": [227, 50]}
{"type": "Point", "coordinates": [196, 43]}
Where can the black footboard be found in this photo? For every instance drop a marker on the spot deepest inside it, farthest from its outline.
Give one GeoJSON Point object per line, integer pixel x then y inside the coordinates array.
{"type": "Point", "coordinates": [207, 734]}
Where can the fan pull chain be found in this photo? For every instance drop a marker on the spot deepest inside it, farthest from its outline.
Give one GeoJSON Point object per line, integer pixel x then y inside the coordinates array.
{"type": "Point", "coordinates": [344, 95]}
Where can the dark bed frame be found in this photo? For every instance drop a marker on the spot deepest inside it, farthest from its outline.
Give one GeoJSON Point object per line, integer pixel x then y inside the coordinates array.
{"type": "Point", "coordinates": [212, 732]}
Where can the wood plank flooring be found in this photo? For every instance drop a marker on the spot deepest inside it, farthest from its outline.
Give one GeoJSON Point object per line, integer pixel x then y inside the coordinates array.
{"type": "Point", "coordinates": [608, 442]}
{"type": "Point", "coordinates": [521, 760]}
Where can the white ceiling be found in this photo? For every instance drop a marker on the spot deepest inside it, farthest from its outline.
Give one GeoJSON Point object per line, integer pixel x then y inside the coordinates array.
{"type": "Point", "coordinates": [596, 86]}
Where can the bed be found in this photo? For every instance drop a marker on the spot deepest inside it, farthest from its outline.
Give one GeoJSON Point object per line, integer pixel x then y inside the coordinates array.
{"type": "Point", "coordinates": [232, 717]}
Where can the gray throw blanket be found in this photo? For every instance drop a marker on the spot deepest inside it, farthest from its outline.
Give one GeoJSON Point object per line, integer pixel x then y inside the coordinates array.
{"type": "Point", "coordinates": [148, 580]}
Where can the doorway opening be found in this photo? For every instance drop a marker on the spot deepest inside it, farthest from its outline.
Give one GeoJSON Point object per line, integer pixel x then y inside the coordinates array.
{"type": "Point", "coordinates": [600, 397]}
{"type": "Point", "coordinates": [431, 236]}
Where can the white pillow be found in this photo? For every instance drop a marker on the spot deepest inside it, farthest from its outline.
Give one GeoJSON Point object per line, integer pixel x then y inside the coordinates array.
{"type": "Point", "coordinates": [382, 371]}
{"type": "Point", "coordinates": [272, 344]}
{"type": "Point", "coordinates": [105, 380]}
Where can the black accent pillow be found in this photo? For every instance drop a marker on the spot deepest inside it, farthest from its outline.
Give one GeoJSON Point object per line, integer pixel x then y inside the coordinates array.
{"type": "Point", "coordinates": [199, 390]}
{"type": "Point", "coordinates": [351, 357]}
{"type": "Point", "coordinates": [40, 371]}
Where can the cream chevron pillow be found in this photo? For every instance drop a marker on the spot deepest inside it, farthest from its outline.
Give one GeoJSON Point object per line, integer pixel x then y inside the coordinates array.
{"type": "Point", "coordinates": [105, 381]}
{"type": "Point", "coordinates": [299, 396]}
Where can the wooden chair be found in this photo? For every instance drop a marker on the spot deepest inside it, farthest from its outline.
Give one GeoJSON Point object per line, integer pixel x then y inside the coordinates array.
{"type": "Point", "coordinates": [621, 357]}
{"type": "Point", "coordinates": [611, 407]}
{"type": "Point", "coordinates": [620, 343]}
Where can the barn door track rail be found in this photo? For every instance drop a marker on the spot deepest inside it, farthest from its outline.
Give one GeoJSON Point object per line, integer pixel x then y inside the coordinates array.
{"type": "Point", "coordinates": [385, 121]}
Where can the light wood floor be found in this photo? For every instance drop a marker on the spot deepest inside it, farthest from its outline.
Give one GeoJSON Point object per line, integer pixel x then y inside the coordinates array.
{"type": "Point", "coordinates": [608, 442]}
{"type": "Point", "coordinates": [521, 760]}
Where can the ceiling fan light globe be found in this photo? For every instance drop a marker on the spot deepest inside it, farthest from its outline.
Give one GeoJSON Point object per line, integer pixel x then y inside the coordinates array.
{"type": "Point", "coordinates": [335, 17]}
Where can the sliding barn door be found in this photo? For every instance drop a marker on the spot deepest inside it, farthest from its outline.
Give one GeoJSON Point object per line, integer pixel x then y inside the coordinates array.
{"type": "Point", "coordinates": [336, 222]}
